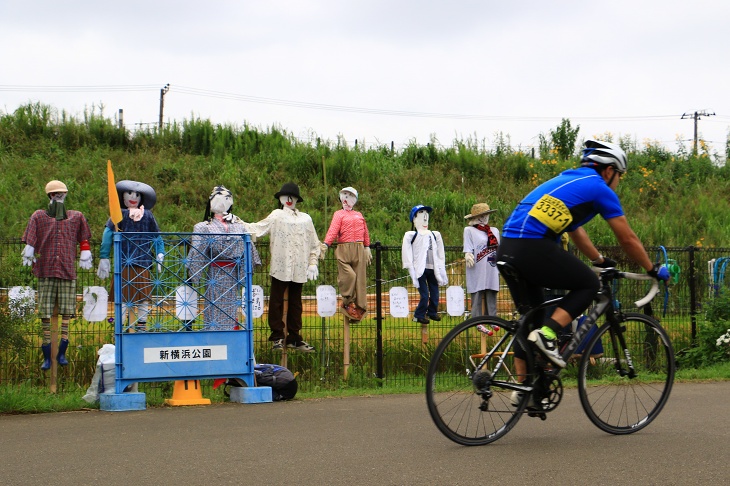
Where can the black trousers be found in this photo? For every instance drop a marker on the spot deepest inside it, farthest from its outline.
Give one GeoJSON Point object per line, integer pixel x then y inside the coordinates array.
{"type": "Point", "coordinates": [294, 311]}
{"type": "Point", "coordinates": [544, 264]}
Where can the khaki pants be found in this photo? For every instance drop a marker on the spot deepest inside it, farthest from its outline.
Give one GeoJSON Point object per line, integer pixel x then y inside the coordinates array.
{"type": "Point", "coordinates": [351, 273]}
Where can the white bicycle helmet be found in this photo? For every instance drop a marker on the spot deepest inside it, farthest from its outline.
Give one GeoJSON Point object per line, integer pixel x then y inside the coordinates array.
{"type": "Point", "coordinates": [597, 152]}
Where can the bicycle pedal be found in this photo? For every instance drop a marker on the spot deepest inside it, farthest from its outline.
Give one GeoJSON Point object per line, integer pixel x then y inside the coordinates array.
{"type": "Point", "coordinates": [542, 415]}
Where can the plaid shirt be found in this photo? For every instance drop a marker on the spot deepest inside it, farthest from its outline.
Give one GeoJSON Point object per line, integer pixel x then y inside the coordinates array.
{"type": "Point", "coordinates": [55, 243]}
{"type": "Point", "coordinates": [348, 227]}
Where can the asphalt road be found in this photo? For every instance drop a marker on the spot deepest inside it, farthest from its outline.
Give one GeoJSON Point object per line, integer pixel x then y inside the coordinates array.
{"type": "Point", "coordinates": [383, 440]}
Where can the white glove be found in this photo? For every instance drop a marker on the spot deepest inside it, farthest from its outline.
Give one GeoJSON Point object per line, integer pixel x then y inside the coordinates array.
{"type": "Point", "coordinates": [160, 259]}
{"type": "Point", "coordinates": [28, 255]}
{"type": "Point", "coordinates": [441, 281]}
{"type": "Point", "coordinates": [368, 255]}
{"type": "Point", "coordinates": [322, 250]}
{"type": "Point", "coordinates": [469, 260]}
{"type": "Point", "coordinates": [103, 271]}
{"type": "Point", "coordinates": [135, 214]}
{"type": "Point", "coordinates": [85, 259]}
{"type": "Point", "coordinates": [312, 272]}
{"type": "Point", "coordinates": [414, 279]}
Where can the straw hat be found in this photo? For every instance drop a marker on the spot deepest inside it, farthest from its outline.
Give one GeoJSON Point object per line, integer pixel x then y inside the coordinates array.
{"type": "Point", "coordinates": [479, 209]}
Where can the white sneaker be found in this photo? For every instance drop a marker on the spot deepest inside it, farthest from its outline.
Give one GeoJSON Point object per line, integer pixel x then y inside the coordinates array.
{"type": "Point", "coordinates": [548, 347]}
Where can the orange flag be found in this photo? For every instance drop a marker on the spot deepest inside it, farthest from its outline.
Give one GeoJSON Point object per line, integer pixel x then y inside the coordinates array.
{"type": "Point", "coordinates": [115, 209]}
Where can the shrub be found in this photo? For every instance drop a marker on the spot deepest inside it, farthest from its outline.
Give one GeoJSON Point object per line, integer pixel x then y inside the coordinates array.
{"type": "Point", "coordinates": [710, 347]}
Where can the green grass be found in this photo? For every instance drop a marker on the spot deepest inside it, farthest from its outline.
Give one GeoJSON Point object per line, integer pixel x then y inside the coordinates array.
{"type": "Point", "coordinates": [186, 159]}
{"type": "Point", "coordinates": [26, 399]}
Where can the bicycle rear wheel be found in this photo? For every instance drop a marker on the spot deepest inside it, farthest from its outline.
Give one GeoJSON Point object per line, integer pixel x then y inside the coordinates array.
{"type": "Point", "coordinates": [468, 396]}
{"type": "Point", "coordinates": [614, 401]}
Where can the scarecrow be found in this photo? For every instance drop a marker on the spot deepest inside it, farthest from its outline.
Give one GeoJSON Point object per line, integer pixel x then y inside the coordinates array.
{"type": "Point", "coordinates": [221, 257]}
{"type": "Point", "coordinates": [425, 259]}
{"type": "Point", "coordinates": [295, 250]}
{"type": "Point", "coordinates": [353, 254]}
{"type": "Point", "coordinates": [50, 248]}
{"type": "Point", "coordinates": [138, 199]}
{"type": "Point", "coordinates": [480, 253]}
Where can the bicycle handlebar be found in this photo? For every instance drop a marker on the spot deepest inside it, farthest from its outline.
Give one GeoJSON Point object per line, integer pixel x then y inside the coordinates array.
{"type": "Point", "coordinates": [638, 276]}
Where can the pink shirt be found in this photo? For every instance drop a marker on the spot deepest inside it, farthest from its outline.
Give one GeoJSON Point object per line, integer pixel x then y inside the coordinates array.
{"type": "Point", "coordinates": [347, 227]}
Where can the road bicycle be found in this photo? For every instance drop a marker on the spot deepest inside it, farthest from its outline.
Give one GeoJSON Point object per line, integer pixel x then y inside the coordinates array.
{"type": "Point", "coordinates": [471, 377]}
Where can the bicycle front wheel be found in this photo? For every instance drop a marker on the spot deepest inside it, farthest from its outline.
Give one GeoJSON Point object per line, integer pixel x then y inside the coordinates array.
{"type": "Point", "coordinates": [471, 379]}
{"type": "Point", "coordinates": [615, 399]}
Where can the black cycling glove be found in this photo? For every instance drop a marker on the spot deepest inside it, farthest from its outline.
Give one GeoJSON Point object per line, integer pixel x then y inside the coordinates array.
{"type": "Point", "coordinates": [606, 263]}
{"type": "Point", "coordinates": [659, 272]}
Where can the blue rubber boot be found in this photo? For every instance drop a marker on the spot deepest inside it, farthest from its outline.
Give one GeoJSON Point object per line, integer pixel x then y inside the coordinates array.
{"type": "Point", "coordinates": [46, 348]}
{"type": "Point", "coordinates": [61, 356]}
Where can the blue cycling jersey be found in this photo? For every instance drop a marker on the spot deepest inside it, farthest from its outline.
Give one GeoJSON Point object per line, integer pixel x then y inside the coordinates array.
{"type": "Point", "coordinates": [564, 203]}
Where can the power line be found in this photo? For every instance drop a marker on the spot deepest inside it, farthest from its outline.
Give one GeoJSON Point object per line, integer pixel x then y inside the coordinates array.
{"type": "Point", "coordinates": [320, 106]}
{"type": "Point", "coordinates": [76, 89]}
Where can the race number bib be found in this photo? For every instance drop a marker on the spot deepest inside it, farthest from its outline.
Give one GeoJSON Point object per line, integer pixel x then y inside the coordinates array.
{"type": "Point", "coordinates": [552, 212]}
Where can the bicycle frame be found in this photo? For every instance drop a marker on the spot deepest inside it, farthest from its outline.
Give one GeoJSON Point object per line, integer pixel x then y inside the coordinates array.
{"type": "Point", "coordinates": [603, 306]}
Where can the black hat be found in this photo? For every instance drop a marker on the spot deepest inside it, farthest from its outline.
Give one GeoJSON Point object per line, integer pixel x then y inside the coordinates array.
{"type": "Point", "coordinates": [289, 189]}
{"type": "Point", "coordinates": [149, 197]}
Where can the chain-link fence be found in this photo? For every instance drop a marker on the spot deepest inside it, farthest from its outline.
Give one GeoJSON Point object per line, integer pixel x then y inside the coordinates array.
{"type": "Point", "coordinates": [382, 348]}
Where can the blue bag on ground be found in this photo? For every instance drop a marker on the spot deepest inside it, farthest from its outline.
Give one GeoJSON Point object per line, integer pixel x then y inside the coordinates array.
{"type": "Point", "coordinates": [283, 383]}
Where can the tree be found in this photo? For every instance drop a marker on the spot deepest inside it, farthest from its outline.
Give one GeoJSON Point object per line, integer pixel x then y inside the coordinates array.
{"type": "Point", "coordinates": [563, 139]}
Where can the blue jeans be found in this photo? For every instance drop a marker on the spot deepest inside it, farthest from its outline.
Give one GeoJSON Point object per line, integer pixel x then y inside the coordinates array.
{"type": "Point", "coordinates": [428, 287]}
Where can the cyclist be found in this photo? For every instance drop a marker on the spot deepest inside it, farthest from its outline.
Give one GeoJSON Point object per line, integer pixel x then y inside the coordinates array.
{"type": "Point", "coordinates": [531, 242]}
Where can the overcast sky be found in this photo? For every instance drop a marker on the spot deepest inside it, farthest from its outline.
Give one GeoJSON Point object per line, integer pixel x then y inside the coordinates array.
{"type": "Point", "coordinates": [381, 71]}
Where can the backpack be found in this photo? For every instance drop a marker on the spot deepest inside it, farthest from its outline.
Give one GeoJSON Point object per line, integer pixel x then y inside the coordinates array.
{"type": "Point", "coordinates": [283, 383]}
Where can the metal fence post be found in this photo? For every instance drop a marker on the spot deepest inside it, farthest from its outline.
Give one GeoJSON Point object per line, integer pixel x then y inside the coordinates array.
{"type": "Point", "coordinates": [379, 309]}
{"type": "Point", "coordinates": [692, 292]}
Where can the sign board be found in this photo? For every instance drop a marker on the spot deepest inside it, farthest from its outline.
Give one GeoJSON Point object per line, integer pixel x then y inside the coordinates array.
{"type": "Point", "coordinates": [398, 301]}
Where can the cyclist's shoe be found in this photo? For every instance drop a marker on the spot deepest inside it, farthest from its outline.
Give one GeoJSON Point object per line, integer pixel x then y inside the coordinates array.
{"type": "Point", "coordinates": [548, 347]}
{"type": "Point", "coordinates": [516, 397]}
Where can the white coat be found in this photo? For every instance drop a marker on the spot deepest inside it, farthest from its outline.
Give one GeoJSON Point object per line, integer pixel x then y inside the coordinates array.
{"type": "Point", "coordinates": [415, 254]}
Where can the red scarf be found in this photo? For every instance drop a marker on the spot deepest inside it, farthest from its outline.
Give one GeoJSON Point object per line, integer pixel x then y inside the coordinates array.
{"type": "Point", "coordinates": [492, 243]}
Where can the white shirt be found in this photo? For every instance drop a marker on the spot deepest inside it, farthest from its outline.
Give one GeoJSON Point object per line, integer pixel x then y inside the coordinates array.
{"type": "Point", "coordinates": [293, 242]}
{"type": "Point", "coordinates": [415, 255]}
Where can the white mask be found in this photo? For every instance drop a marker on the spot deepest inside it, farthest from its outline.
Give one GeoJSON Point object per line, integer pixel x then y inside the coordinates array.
{"type": "Point", "coordinates": [483, 219]}
{"type": "Point", "coordinates": [221, 203]}
{"type": "Point", "coordinates": [348, 200]}
{"type": "Point", "coordinates": [420, 221]}
{"type": "Point", "coordinates": [131, 199]}
{"type": "Point", "coordinates": [288, 201]}
{"type": "Point", "coordinates": [58, 197]}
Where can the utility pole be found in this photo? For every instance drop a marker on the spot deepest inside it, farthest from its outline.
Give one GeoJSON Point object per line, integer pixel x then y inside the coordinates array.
{"type": "Point", "coordinates": [163, 92]}
{"type": "Point", "coordinates": [696, 115]}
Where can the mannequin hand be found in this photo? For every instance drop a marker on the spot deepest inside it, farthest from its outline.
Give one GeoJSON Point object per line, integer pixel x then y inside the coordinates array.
{"type": "Point", "coordinates": [322, 250]}
{"type": "Point", "coordinates": [469, 258]}
{"type": "Point", "coordinates": [103, 271]}
{"type": "Point", "coordinates": [368, 255]}
{"type": "Point", "coordinates": [136, 214]}
{"type": "Point", "coordinates": [85, 259]}
{"type": "Point", "coordinates": [28, 255]}
{"type": "Point", "coordinates": [312, 272]}
{"type": "Point", "coordinates": [160, 259]}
